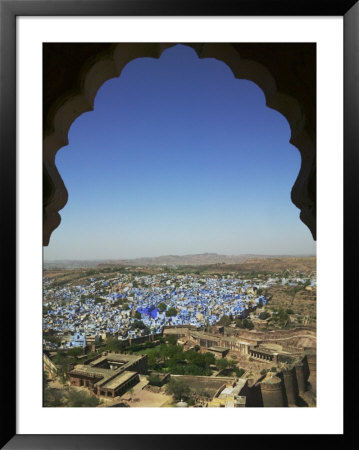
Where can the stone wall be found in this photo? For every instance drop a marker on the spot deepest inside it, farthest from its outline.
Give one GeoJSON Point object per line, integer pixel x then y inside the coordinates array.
{"type": "Point", "coordinates": [273, 335]}
{"type": "Point", "coordinates": [142, 339]}
{"type": "Point", "coordinates": [289, 386]}
{"type": "Point", "coordinates": [273, 393]}
{"type": "Point", "coordinates": [49, 366]}
{"type": "Point", "coordinates": [210, 384]}
{"type": "Point", "coordinates": [312, 365]}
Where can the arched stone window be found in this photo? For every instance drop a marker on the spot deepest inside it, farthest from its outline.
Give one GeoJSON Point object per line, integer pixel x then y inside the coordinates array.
{"type": "Point", "coordinates": [73, 73]}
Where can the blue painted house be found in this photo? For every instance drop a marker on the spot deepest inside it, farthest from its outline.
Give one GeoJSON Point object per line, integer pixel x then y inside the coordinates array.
{"type": "Point", "coordinates": [78, 340]}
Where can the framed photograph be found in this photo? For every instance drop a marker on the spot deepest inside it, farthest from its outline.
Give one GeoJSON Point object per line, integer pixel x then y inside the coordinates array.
{"type": "Point", "coordinates": [60, 58]}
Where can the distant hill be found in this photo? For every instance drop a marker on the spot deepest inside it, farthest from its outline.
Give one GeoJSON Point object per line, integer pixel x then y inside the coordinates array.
{"type": "Point", "coordinates": [305, 264]}
{"type": "Point", "coordinates": [168, 260]}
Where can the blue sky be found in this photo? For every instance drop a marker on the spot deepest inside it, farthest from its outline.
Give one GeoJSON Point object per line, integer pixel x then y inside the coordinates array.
{"type": "Point", "coordinates": [178, 157]}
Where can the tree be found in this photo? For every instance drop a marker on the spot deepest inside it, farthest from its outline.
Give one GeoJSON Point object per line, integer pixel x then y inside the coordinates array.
{"type": "Point", "coordinates": [264, 315]}
{"type": "Point", "coordinates": [204, 393]}
{"type": "Point", "coordinates": [209, 359]}
{"type": "Point", "coordinates": [62, 360]}
{"type": "Point", "coordinates": [52, 397]}
{"type": "Point", "coordinates": [114, 345]}
{"type": "Point", "coordinates": [222, 364]}
{"type": "Point", "coordinates": [293, 291]}
{"type": "Point", "coordinates": [171, 312]}
{"type": "Point", "coordinates": [239, 323]}
{"type": "Point", "coordinates": [239, 371]}
{"type": "Point", "coordinates": [162, 307]}
{"type": "Point", "coordinates": [225, 321]}
{"type": "Point", "coordinates": [172, 339]}
{"type": "Point", "coordinates": [75, 351]}
{"type": "Point", "coordinates": [179, 389]}
{"type": "Point", "coordinates": [139, 324]}
{"type": "Point", "coordinates": [248, 324]}
{"type": "Point", "coordinates": [53, 338]}
{"type": "Point", "coordinates": [82, 398]}
{"type": "Point", "coordinates": [137, 315]}
{"type": "Point", "coordinates": [154, 379]}
{"type": "Point", "coordinates": [283, 317]}
{"type": "Point", "coordinates": [151, 361]}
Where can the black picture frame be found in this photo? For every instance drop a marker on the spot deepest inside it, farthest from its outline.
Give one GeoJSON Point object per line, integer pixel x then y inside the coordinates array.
{"type": "Point", "coordinates": [9, 10]}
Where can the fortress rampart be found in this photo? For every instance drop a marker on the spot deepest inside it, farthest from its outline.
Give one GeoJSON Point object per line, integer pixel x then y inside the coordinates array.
{"type": "Point", "coordinates": [291, 386]}
{"type": "Point", "coordinates": [312, 365]}
{"type": "Point", "coordinates": [273, 393]}
{"type": "Point", "coordinates": [49, 366]}
{"type": "Point", "coordinates": [301, 382]}
{"type": "Point", "coordinates": [253, 336]}
{"type": "Point", "coordinates": [287, 387]}
{"type": "Point", "coordinates": [273, 335]}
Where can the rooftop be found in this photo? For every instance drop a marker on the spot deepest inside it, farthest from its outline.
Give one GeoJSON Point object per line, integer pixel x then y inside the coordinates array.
{"type": "Point", "coordinates": [116, 357]}
{"type": "Point", "coordinates": [120, 379]}
{"type": "Point", "coordinates": [82, 369]}
{"type": "Point", "coordinates": [108, 377]}
{"type": "Point", "coordinates": [218, 349]}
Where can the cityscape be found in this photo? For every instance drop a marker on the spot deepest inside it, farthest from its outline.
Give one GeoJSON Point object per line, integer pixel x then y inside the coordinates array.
{"type": "Point", "coordinates": [217, 335]}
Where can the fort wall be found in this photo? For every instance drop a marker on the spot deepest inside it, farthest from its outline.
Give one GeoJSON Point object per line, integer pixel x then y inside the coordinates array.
{"type": "Point", "coordinates": [301, 381]}
{"type": "Point", "coordinates": [254, 396]}
{"type": "Point", "coordinates": [287, 386]}
{"type": "Point", "coordinates": [291, 386]}
{"type": "Point", "coordinates": [206, 383]}
{"type": "Point", "coordinates": [271, 335]}
{"type": "Point", "coordinates": [273, 393]}
{"type": "Point", "coordinates": [142, 339]}
{"type": "Point", "coordinates": [248, 335]}
{"type": "Point", "coordinates": [312, 365]}
{"type": "Point", "coordinates": [49, 366]}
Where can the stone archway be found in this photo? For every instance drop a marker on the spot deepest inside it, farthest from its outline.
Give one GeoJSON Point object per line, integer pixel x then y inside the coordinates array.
{"type": "Point", "coordinates": [73, 73]}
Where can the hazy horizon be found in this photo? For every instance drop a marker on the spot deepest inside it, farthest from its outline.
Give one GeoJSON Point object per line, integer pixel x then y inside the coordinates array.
{"type": "Point", "coordinates": [299, 255]}
{"type": "Point", "coordinates": [177, 157]}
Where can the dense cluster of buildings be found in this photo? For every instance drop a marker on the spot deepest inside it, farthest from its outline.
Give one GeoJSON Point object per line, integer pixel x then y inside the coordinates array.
{"type": "Point", "coordinates": [104, 307]}
{"type": "Point", "coordinates": [292, 383]}
{"type": "Point", "coordinates": [280, 365]}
